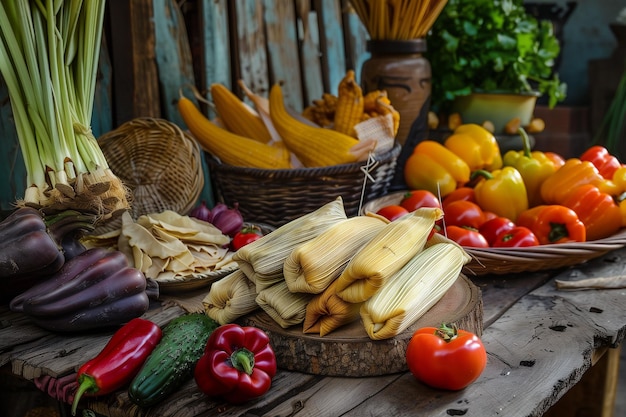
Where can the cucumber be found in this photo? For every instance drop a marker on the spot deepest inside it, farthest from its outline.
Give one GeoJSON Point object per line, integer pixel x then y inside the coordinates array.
{"type": "Point", "coordinates": [172, 361]}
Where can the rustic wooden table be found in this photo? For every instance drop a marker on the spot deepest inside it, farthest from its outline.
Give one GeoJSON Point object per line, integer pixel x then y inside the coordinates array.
{"type": "Point", "coordinates": [540, 341]}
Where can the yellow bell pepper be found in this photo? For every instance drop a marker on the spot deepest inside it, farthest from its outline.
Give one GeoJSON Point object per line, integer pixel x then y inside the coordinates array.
{"type": "Point", "coordinates": [452, 163]}
{"type": "Point", "coordinates": [475, 145]}
{"type": "Point", "coordinates": [421, 172]}
{"type": "Point", "coordinates": [534, 167]}
{"type": "Point", "coordinates": [501, 192]}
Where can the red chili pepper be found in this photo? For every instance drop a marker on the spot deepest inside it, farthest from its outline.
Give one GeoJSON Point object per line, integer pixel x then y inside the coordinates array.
{"type": "Point", "coordinates": [119, 361]}
{"type": "Point", "coordinates": [238, 364]}
{"type": "Point", "coordinates": [517, 237]}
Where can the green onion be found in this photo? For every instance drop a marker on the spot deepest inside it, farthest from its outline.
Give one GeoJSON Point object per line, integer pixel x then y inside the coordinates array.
{"type": "Point", "coordinates": [49, 54]}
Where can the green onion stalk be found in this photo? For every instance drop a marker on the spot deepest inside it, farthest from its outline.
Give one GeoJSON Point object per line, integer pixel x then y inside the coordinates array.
{"type": "Point", "coordinates": [49, 54]}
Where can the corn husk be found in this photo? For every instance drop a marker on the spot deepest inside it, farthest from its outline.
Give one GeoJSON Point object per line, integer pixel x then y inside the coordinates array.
{"type": "Point", "coordinates": [385, 254]}
{"type": "Point", "coordinates": [327, 312]}
{"type": "Point", "coordinates": [285, 307]}
{"type": "Point", "coordinates": [231, 297]}
{"type": "Point", "coordinates": [312, 266]}
{"type": "Point", "coordinates": [262, 260]}
{"type": "Point", "coordinates": [413, 290]}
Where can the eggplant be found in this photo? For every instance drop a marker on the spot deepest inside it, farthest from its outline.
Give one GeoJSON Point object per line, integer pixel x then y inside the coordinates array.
{"type": "Point", "coordinates": [28, 254]}
{"type": "Point", "coordinates": [25, 246]}
{"type": "Point", "coordinates": [97, 288]}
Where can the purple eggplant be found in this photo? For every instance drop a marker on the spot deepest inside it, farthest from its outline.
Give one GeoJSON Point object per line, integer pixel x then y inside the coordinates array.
{"type": "Point", "coordinates": [97, 288]}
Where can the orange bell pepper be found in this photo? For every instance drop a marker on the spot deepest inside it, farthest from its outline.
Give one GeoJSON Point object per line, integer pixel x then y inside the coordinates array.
{"type": "Point", "coordinates": [553, 223]}
{"type": "Point", "coordinates": [574, 173]}
{"type": "Point", "coordinates": [598, 211]}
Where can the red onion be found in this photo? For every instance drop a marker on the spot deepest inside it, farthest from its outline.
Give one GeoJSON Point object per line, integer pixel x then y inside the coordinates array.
{"type": "Point", "coordinates": [229, 220]}
{"type": "Point", "coordinates": [218, 208]}
{"type": "Point", "coordinates": [202, 212]}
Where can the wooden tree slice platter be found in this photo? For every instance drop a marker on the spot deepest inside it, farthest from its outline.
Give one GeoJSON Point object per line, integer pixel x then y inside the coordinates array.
{"type": "Point", "coordinates": [348, 351]}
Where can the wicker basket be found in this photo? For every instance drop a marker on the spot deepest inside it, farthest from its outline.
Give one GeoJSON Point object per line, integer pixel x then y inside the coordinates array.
{"type": "Point", "coordinates": [276, 197]}
{"type": "Point", "coordinates": [158, 162]}
{"type": "Point", "coordinates": [528, 259]}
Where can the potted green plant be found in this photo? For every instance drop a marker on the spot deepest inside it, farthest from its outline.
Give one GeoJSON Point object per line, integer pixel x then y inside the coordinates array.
{"type": "Point", "coordinates": [492, 47]}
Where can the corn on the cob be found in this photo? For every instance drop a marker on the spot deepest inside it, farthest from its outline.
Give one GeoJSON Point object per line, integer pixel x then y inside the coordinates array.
{"type": "Point", "coordinates": [237, 115]}
{"type": "Point", "coordinates": [385, 254]}
{"type": "Point", "coordinates": [230, 148]}
{"type": "Point", "coordinates": [312, 266]}
{"type": "Point", "coordinates": [349, 105]}
{"type": "Point", "coordinates": [315, 146]}
{"type": "Point", "coordinates": [413, 290]}
{"type": "Point", "coordinates": [326, 312]}
{"type": "Point", "coordinates": [231, 297]}
{"type": "Point", "coordinates": [283, 306]}
{"type": "Point", "coordinates": [262, 260]}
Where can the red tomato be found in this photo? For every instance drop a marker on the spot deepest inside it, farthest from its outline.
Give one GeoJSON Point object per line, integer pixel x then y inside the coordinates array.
{"type": "Point", "coordinates": [446, 358]}
{"type": "Point", "coordinates": [245, 236]}
{"type": "Point", "coordinates": [465, 237]}
{"type": "Point", "coordinates": [464, 213]}
{"type": "Point", "coordinates": [392, 212]}
{"type": "Point", "coordinates": [492, 228]}
{"type": "Point", "coordinates": [419, 198]}
{"type": "Point", "coordinates": [461, 193]}
{"type": "Point", "coordinates": [517, 237]}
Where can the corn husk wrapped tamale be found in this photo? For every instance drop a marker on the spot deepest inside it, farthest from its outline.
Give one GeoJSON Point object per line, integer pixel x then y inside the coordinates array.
{"type": "Point", "coordinates": [285, 307]}
{"type": "Point", "coordinates": [262, 260]}
{"type": "Point", "coordinates": [230, 298]}
{"type": "Point", "coordinates": [413, 290]}
{"type": "Point", "coordinates": [385, 254]}
{"type": "Point", "coordinates": [327, 312]}
{"type": "Point", "coordinates": [312, 266]}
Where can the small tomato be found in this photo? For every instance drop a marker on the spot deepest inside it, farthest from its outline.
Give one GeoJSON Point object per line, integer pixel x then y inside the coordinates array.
{"type": "Point", "coordinates": [465, 236]}
{"type": "Point", "coordinates": [517, 237]}
{"type": "Point", "coordinates": [461, 193]}
{"type": "Point", "coordinates": [445, 357]}
{"type": "Point", "coordinates": [492, 228]}
{"type": "Point", "coordinates": [464, 213]}
{"type": "Point", "coordinates": [392, 212]}
{"type": "Point", "coordinates": [415, 199]}
{"type": "Point", "coordinates": [245, 236]}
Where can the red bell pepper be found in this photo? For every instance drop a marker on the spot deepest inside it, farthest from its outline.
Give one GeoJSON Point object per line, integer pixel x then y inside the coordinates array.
{"type": "Point", "coordinates": [517, 237]}
{"type": "Point", "coordinates": [602, 159]}
{"type": "Point", "coordinates": [553, 224]}
{"type": "Point", "coordinates": [120, 360]}
{"type": "Point", "coordinates": [238, 364]}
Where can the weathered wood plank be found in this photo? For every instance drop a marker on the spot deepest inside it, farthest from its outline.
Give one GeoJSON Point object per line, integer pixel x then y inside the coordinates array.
{"type": "Point", "coordinates": [312, 79]}
{"type": "Point", "coordinates": [250, 53]}
{"type": "Point", "coordinates": [332, 43]}
{"type": "Point", "coordinates": [136, 90]}
{"type": "Point", "coordinates": [282, 49]}
{"type": "Point", "coordinates": [173, 57]}
{"type": "Point", "coordinates": [355, 36]}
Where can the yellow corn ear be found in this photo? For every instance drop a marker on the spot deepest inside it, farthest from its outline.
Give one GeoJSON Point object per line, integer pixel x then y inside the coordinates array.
{"type": "Point", "coordinates": [413, 290]}
{"type": "Point", "coordinates": [384, 107]}
{"type": "Point", "coordinates": [385, 254]}
{"type": "Point", "coordinates": [283, 306]}
{"type": "Point", "coordinates": [262, 260]}
{"type": "Point", "coordinates": [231, 297]}
{"type": "Point", "coordinates": [237, 116]}
{"type": "Point", "coordinates": [230, 148]}
{"type": "Point", "coordinates": [312, 266]}
{"type": "Point", "coordinates": [314, 146]}
{"type": "Point", "coordinates": [326, 312]}
{"type": "Point", "coordinates": [349, 105]}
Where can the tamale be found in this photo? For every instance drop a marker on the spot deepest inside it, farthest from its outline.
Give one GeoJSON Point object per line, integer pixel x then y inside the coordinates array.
{"type": "Point", "coordinates": [313, 265]}
{"type": "Point", "coordinates": [385, 254]}
{"type": "Point", "coordinates": [230, 298]}
{"type": "Point", "coordinates": [285, 307]}
{"type": "Point", "coordinates": [327, 312]}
